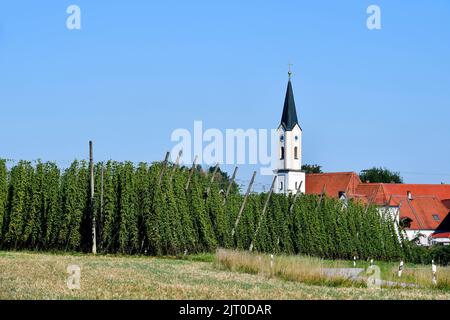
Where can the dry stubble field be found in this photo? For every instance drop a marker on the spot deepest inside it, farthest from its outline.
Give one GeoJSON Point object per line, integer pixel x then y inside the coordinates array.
{"type": "Point", "coordinates": [28, 275]}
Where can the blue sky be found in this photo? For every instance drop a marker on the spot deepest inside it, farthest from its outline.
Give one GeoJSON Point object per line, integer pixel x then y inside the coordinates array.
{"type": "Point", "coordinates": [137, 70]}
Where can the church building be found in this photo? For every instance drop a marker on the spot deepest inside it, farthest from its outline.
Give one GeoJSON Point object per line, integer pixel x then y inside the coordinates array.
{"type": "Point", "coordinates": [289, 177]}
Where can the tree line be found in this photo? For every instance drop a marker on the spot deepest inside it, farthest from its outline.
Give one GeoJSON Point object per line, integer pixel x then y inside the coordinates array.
{"type": "Point", "coordinates": [140, 211]}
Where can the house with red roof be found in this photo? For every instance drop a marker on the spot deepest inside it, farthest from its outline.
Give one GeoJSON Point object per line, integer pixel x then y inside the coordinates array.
{"type": "Point", "coordinates": [421, 210]}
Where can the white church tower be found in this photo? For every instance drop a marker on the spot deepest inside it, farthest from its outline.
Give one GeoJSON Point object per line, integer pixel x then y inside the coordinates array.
{"type": "Point", "coordinates": [289, 177]}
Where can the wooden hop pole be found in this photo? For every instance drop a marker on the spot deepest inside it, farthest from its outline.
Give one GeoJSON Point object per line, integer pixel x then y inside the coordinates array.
{"type": "Point", "coordinates": [166, 160]}
{"type": "Point", "coordinates": [322, 194]}
{"type": "Point", "coordinates": [180, 153]}
{"type": "Point", "coordinates": [216, 168]}
{"type": "Point", "coordinates": [233, 177]}
{"type": "Point", "coordinates": [297, 194]}
{"type": "Point", "coordinates": [243, 204]}
{"type": "Point", "coordinates": [371, 200]}
{"type": "Point", "coordinates": [263, 212]}
{"type": "Point", "coordinates": [91, 167]}
{"type": "Point", "coordinates": [190, 173]}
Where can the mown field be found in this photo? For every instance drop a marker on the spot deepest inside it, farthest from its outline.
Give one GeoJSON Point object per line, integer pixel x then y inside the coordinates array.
{"type": "Point", "coordinates": [29, 275]}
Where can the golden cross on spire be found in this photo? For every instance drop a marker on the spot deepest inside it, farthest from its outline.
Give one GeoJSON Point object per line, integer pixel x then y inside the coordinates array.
{"type": "Point", "coordinates": [289, 70]}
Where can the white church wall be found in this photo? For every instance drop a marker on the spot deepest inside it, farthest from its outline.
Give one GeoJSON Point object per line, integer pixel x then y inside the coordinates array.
{"type": "Point", "coordinates": [290, 182]}
{"type": "Point", "coordinates": [280, 183]}
{"type": "Point", "coordinates": [293, 182]}
{"type": "Point", "coordinates": [288, 169]}
{"type": "Point", "coordinates": [281, 144]}
{"type": "Point", "coordinates": [290, 162]}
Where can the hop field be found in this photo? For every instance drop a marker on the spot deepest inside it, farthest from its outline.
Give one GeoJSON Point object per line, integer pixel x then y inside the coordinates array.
{"type": "Point", "coordinates": [169, 210]}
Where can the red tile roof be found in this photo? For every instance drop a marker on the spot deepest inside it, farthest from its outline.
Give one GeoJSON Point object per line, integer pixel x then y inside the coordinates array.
{"type": "Point", "coordinates": [333, 182]}
{"type": "Point", "coordinates": [373, 192]}
{"type": "Point", "coordinates": [427, 199]}
{"type": "Point", "coordinates": [426, 212]}
{"type": "Point", "coordinates": [441, 191]}
{"type": "Point", "coordinates": [441, 235]}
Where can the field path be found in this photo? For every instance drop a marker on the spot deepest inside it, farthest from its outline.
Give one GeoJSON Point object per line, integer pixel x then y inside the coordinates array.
{"type": "Point", "coordinates": [355, 275]}
{"type": "Point", "coordinates": [347, 273]}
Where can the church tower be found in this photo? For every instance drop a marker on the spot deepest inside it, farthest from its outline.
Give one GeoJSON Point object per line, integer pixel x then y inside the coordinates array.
{"type": "Point", "coordinates": [289, 177]}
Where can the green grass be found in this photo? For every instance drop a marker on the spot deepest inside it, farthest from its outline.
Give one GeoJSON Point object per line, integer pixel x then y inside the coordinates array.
{"type": "Point", "coordinates": [309, 270]}
{"type": "Point", "coordinates": [30, 275]}
{"type": "Point", "coordinates": [202, 257]}
{"type": "Point", "coordinates": [412, 273]}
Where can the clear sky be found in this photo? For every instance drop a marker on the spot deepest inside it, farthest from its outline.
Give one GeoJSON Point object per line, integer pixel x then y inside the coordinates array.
{"type": "Point", "coordinates": [137, 70]}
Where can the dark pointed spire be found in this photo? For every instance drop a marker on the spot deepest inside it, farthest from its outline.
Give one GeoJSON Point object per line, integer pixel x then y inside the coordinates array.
{"type": "Point", "coordinates": [289, 117]}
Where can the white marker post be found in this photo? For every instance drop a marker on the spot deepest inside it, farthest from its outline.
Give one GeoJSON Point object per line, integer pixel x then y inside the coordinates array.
{"type": "Point", "coordinates": [433, 270]}
{"type": "Point", "coordinates": [354, 261]}
{"type": "Point", "coordinates": [271, 264]}
{"type": "Point", "coordinates": [400, 269]}
{"type": "Point", "coordinates": [371, 262]}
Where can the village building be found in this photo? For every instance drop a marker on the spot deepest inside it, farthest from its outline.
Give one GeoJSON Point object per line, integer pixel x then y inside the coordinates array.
{"type": "Point", "coordinates": [421, 210]}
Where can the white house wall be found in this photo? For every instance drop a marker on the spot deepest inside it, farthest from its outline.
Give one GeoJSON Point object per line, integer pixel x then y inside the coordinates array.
{"type": "Point", "coordinates": [394, 213]}
{"type": "Point", "coordinates": [424, 240]}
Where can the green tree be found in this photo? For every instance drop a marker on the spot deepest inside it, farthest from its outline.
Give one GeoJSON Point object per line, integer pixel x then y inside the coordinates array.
{"type": "Point", "coordinates": [311, 168]}
{"type": "Point", "coordinates": [380, 175]}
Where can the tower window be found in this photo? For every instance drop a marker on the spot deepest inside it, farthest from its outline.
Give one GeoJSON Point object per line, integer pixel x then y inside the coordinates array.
{"type": "Point", "coordinates": [281, 185]}
{"type": "Point", "coordinates": [281, 138]}
{"type": "Point", "coordinates": [296, 153]}
{"type": "Point", "coordinates": [436, 217]}
{"type": "Point", "coordinates": [282, 153]}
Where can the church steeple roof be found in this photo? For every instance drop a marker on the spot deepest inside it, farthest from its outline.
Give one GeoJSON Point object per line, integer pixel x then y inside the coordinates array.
{"type": "Point", "coordinates": [289, 117]}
